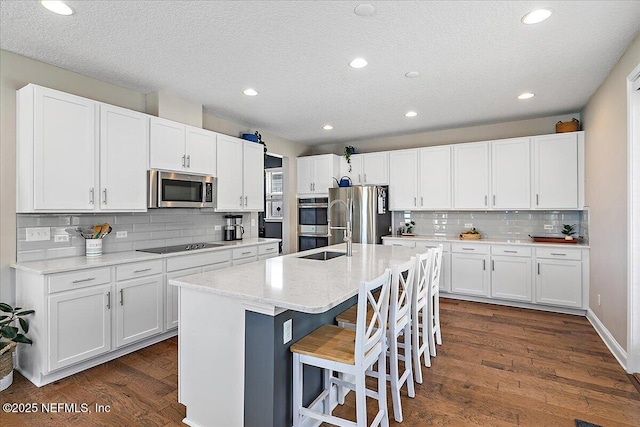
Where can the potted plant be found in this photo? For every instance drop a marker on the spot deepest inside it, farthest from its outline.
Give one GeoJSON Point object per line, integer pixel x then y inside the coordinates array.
{"type": "Point", "coordinates": [408, 227]}
{"type": "Point", "coordinates": [260, 141]}
{"type": "Point", "coordinates": [10, 337]}
{"type": "Point", "coordinates": [348, 151]}
{"type": "Point", "coordinates": [568, 231]}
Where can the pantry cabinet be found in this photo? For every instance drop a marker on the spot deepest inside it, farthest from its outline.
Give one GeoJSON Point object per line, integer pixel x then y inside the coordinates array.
{"type": "Point", "coordinates": [471, 175]}
{"type": "Point", "coordinates": [403, 180]}
{"type": "Point", "coordinates": [240, 175]}
{"type": "Point", "coordinates": [511, 174]}
{"type": "Point", "coordinates": [315, 174]}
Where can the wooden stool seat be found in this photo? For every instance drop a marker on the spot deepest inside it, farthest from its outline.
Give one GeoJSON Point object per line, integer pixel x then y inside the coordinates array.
{"type": "Point", "coordinates": [329, 342]}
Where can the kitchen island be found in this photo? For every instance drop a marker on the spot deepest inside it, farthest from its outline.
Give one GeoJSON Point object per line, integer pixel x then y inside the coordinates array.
{"type": "Point", "coordinates": [234, 364]}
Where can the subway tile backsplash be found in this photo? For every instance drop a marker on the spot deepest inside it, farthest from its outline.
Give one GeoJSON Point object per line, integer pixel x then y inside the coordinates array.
{"type": "Point", "coordinates": [491, 224]}
{"type": "Point", "coordinates": [158, 227]}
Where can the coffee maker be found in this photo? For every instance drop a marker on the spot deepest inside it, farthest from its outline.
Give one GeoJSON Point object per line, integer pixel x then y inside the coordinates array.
{"type": "Point", "coordinates": [229, 228]}
{"type": "Point", "coordinates": [239, 229]}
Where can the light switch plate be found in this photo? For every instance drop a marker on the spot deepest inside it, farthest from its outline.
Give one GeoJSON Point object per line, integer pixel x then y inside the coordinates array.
{"type": "Point", "coordinates": [469, 225]}
{"type": "Point", "coordinates": [38, 233]}
{"type": "Point", "coordinates": [217, 227]}
{"type": "Point", "coordinates": [548, 227]}
{"type": "Point", "coordinates": [121, 234]}
{"type": "Point", "coordinates": [61, 238]}
{"type": "Point", "coordinates": [287, 331]}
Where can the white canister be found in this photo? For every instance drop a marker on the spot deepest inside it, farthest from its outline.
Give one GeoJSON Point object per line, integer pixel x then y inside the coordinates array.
{"type": "Point", "coordinates": [94, 247]}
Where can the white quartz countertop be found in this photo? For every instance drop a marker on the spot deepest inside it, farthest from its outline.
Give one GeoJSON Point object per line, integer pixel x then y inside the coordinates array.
{"type": "Point", "coordinates": [61, 265]}
{"type": "Point", "coordinates": [455, 239]}
{"type": "Point", "coordinates": [294, 283]}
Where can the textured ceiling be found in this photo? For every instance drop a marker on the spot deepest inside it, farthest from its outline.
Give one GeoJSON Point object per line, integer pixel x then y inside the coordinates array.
{"type": "Point", "coordinates": [473, 57]}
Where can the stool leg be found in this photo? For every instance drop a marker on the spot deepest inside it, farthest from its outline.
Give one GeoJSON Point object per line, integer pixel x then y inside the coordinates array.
{"type": "Point", "coordinates": [297, 390]}
{"type": "Point", "coordinates": [341, 390]}
{"type": "Point", "coordinates": [382, 388]}
{"type": "Point", "coordinates": [415, 347]}
{"type": "Point", "coordinates": [425, 335]}
{"type": "Point", "coordinates": [407, 360]}
{"type": "Point", "coordinates": [431, 332]}
{"type": "Point", "coordinates": [393, 370]}
{"type": "Point", "coordinates": [436, 317]}
{"type": "Point", "coordinates": [361, 400]}
{"type": "Point", "coordinates": [326, 380]}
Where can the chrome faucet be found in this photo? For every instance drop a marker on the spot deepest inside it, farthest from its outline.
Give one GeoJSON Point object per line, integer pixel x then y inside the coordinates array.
{"type": "Point", "coordinates": [348, 231]}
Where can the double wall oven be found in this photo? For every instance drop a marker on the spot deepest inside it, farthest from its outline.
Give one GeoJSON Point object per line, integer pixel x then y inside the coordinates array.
{"type": "Point", "coordinates": [312, 223]}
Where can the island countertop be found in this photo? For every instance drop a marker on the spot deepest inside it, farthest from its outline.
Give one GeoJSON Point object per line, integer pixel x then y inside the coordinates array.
{"type": "Point", "coordinates": [304, 285]}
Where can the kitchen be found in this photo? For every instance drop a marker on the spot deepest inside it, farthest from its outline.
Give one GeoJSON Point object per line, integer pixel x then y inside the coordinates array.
{"type": "Point", "coordinates": [605, 157]}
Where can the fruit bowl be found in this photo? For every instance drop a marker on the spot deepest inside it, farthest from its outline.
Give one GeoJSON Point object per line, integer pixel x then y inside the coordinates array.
{"type": "Point", "coordinates": [468, 236]}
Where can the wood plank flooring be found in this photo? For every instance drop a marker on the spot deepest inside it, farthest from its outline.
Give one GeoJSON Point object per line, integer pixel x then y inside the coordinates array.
{"type": "Point", "coordinates": [498, 366]}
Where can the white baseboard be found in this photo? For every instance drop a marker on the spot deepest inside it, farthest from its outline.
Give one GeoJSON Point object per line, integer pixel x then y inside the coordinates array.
{"type": "Point", "coordinates": [618, 352]}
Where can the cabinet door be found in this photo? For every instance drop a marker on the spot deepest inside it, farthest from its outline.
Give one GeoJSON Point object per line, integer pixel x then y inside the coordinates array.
{"type": "Point", "coordinates": [200, 151]}
{"type": "Point", "coordinates": [79, 325]}
{"type": "Point", "coordinates": [166, 145]}
{"type": "Point", "coordinates": [139, 309]}
{"type": "Point", "coordinates": [304, 173]}
{"type": "Point", "coordinates": [556, 171]}
{"type": "Point", "coordinates": [64, 134]}
{"type": "Point", "coordinates": [559, 282]}
{"type": "Point", "coordinates": [124, 136]}
{"type": "Point", "coordinates": [357, 170]}
{"type": "Point", "coordinates": [511, 174]}
{"type": "Point", "coordinates": [253, 176]}
{"type": "Point", "coordinates": [470, 274]}
{"type": "Point", "coordinates": [511, 278]}
{"type": "Point", "coordinates": [435, 178]}
{"type": "Point", "coordinates": [471, 175]}
{"type": "Point", "coordinates": [323, 174]}
{"type": "Point", "coordinates": [403, 180]}
{"type": "Point", "coordinates": [171, 306]}
{"type": "Point", "coordinates": [375, 168]}
{"type": "Point", "coordinates": [229, 167]}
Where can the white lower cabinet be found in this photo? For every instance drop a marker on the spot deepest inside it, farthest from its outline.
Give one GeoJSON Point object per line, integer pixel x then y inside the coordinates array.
{"type": "Point", "coordinates": [559, 278]}
{"type": "Point", "coordinates": [469, 274]}
{"type": "Point", "coordinates": [445, 268]}
{"type": "Point", "coordinates": [139, 309]}
{"type": "Point", "coordinates": [79, 325]}
{"type": "Point", "coordinates": [511, 278]}
{"type": "Point", "coordinates": [171, 306]}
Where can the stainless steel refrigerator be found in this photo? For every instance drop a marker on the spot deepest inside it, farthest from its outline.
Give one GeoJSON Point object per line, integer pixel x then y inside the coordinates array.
{"type": "Point", "coordinates": [371, 217]}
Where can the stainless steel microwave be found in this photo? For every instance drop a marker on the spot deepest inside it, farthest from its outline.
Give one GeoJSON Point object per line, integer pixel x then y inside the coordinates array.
{"type": "Point", "coordinates": [178, 190]}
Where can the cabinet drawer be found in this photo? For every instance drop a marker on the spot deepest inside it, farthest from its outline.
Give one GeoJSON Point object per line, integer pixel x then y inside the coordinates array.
{"type": "Point", "coordinates": [523, 251]}
{"type": "Point", "coordinates": [469, 248]}
{"type": "Point", "coordinates": [405, 243]}
{"type": "Point", "coordinates": [559, 253]}
{"type": "Point", "coordinates": [446, 247]}
{"type": "Point", "coordinates": [268, 249]}
{"type": "Point", "coordinates": [243, 261]}
{"type": "Point", "coordinates": [79, 279]}
{"type": "Point", "coordinates": [139, 269]}
{"type": "Point", "coordinates": [191, 261]}
{"type": "Point", "coordinates": [241, 253]}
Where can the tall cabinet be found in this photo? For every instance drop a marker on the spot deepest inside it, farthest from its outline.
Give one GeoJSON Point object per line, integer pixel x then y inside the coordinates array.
{"type": "Point", "coordinates": [240, 166]}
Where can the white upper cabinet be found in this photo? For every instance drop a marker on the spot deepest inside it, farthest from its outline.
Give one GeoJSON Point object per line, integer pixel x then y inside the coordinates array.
{"type": "Point", "coordinates": [435, 178]}
{"type": "Point", "coordinates": [123, 159]}
{"type": "Point", "coordinates": [315, 174]}
{"type": "Point", "coordinates": [178, 147]}
{"type": "Point", "coordinates": [240, 168]}
{"type": "Point", "coordinates": [370, 169]}
{"type": "Point", "coordinates": [78, 155]}
{"type": "Point", "coordinates": [558, 172]}
{"type": "Point", "coordinates": [511, 174]}
{"type": "Point", "coordinates": [471, 175]}
{"type": "Point", "coordinates": [403, 180]}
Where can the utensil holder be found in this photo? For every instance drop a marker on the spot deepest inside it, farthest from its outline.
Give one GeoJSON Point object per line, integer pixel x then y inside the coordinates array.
{"type": "Point", "coordinates": [93, 247]}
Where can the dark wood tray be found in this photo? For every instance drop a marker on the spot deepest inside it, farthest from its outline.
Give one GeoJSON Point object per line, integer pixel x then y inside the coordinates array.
{"type": "Point", "coordinates": [545, 239]}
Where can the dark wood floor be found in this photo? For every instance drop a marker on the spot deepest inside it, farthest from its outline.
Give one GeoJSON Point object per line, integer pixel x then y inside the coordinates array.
{"type": "Point", "coordinates": [497, 366]}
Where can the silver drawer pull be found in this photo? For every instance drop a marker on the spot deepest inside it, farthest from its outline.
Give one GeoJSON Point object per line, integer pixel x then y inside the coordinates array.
{"type": "Point", "coordinates": [396, 244]}
{"type": "Point", "coordinates": [246, 253]}
{"type": "Point", "coordinates": [142, 271]}
{"type": "Point", "coordinates": [84, 280]}
{"type": "Point", "coordinates": [510, 252]}
{"type": "Point", "coordinates": [270, 249]}
{"type": "Point", "coordinates": [558, 254]}
{"type": "Point", "coordinates": [468, 249]}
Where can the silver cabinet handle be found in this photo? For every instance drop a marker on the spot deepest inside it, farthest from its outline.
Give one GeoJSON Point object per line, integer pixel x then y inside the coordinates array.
{"type": "Point", "coordinates": [184, 161]}
{"type": "Point", "coordinates": [365, 177]}
{"type": "Point", "coordinates": [109, 300]}
{"type": "Point", "coordinates": [121, 296]}
{"type": "Point", "coordinates": [494, 200]}
{"type": "Point", "coordinates": [91, 195]}
{"type": "Point", "coordinates": [421, 201]}
{"type": "Point", "coordinates": [538, 268]}
{"type": "Point", "coordinates": [415, 201]}
{"type": "Point", "coordinates": [558, 254]}
{"type": "Point", "coordinates": [492, 266]}
{"type": "Point", "coordinates": [246, 253]}
{"type": "Point", "coordinates": [510, 252]}
{"type": "Point", "coordinates": [189, 161]}
{"type": "Point", "coordinates": [142, 271]}
{"type": "Point", "coordinates": [84, 280]}
{"type": "Point", "coordinates": [270, 249]}
{"type": "Point", "coordinates": [310, 186]}
{"type": "Point", "coordinates": [359, 178]}
{"type": "Point", "coordinates": [537, 199]}
{"type": "Point", "coordinates": [485, 200]}
{"type": "Point", "coordinates": [314, 186]}
{"type": "Point", "coordinates": [484, 264]}
{"type": "Point", "coordinates": [104, 196]}
{"type": "Point", "coordinates": [468, 249]}
{"type": "Point", "coordinates": [246, 200]}
{"type": "Point", "coordinates": [240, 201]}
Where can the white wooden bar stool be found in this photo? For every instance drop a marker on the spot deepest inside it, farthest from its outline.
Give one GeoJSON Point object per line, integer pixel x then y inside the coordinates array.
{"type": "Point", "coordinates": [433, 325]}
{"type": "Point", "coordinates": [399, 324]}
{"type": "Point", "coordinates": [349, 353]}
{"type": "Point", "coordinates": [419, 312]}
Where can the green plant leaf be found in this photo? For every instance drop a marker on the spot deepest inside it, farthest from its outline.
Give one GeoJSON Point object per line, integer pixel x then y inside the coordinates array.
{"type": "Point", "coordinates": [22, 339]}
{"type": "Point", "coordinates": [9, 332]}
{"type": "Point", "coordinates": [6, 322]}
{"type": "Point", "coordinates": [6, 308]}
{"type": "Point", "coordinates": [26, 312]}
{"type": "Point", "coordinates": [3, 317]}
{"type": "Point", "coordinates": [17, 309]}
{"type": "Point", "coordinates": [24, 324]}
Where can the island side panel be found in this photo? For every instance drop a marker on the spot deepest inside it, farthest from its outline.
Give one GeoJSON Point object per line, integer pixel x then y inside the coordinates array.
{"type": "Point", "coordinates": [211, 358]}
{"type": "Point", "coordinates": [269, 364]}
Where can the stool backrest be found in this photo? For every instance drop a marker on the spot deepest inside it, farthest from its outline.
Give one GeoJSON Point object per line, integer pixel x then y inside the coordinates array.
{"type": "Point", "coordinates": [370, 334]}
{"type": "Point", "coordinates": [435, 270]}
{"type": "Point", "coordinates": [401, 287]}
{"type": "Point", "coordinates": [422, 275]}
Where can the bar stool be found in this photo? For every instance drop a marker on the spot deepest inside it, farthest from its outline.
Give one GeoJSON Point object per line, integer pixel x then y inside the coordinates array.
{"type": "Point", "coordinates": [419, 312]}
{"type": "Point", "coordinates": [399, 324]}
{"type": "Point", "coordinates": [349, 353]}
{"type": "Point", "coordinates": [433, 325]}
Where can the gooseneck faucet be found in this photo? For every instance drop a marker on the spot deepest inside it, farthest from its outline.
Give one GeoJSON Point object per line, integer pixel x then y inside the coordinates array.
{"type": "Point", "coordinates": [348, 231]}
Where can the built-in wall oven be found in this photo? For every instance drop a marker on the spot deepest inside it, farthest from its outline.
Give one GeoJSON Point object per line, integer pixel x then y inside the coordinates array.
{"type": "Point", "coordinates": [312, 223]}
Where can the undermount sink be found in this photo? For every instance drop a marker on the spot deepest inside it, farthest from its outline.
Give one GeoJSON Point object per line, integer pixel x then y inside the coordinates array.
{"type": "Point", "coordinates": [323, 256]}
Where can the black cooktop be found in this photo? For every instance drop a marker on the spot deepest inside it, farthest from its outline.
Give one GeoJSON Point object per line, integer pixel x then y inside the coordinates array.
{"type": "Point", "coordinates": [181, 248]}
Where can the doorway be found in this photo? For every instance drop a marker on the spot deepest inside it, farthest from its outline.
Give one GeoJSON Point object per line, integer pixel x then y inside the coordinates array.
{"type": "Point", "coordinates": [270, 221]}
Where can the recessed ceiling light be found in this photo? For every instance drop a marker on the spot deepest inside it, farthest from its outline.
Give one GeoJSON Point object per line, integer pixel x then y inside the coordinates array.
{"type": "Point", "coordinates": [358, 63]}
{"type": "Point", "coordinates": [412, 74]}
{"type": "Point", "coordinates": [410, 114]}
{"type": "Point", "coordinates": [58, 7]}
{"type": "Point", "coordinates": [364, 10]}
{"type": "Point", "coordinates": [327, 127]}
{"type": "Point", "coordinates": [536, 16]}
{"type": "Point", "coordinates": [526, 95]}
{"type": "Point", "coordinates": [250, 92]}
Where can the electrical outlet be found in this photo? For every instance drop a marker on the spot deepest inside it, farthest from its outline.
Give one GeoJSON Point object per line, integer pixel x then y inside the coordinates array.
{"type": "Point", "coordinates": [39, 233]}
{"type": "Point", "coordinates": [287, 331]}
{"type": "Point", "coordinates": [61, 238]}
{"type": "Point", "coordinates": [121, 234]}
{"type": "Point", "coordinates": [548, 227]}
{"type": "Point", "coordinates": [468, 225]}
{"type": "Point", "coordinates": [217, 227]}
{"type": "Point", "coordinates": [598, 300]}
{"type": "Point", "coordinates": [253, 222]}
